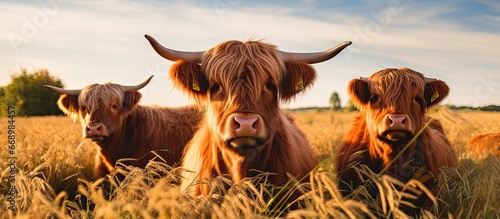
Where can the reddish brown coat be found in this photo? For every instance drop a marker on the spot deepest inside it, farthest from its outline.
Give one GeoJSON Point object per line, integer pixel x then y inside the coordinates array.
{"type": "Point", "coordinates": [393, 105]}
{"type": "Point", "coordinates": [483, 145]}
{"type": "Point", "coordinates": [121, 128]}
{"type": "Point", "coordinates": [244, 132]}
{"type": "Point", "coordinates": [248, 86]}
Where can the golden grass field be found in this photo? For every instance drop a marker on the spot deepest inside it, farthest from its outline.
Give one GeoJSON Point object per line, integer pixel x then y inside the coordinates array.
{"type": "Point", "coordinates": [54, 169]}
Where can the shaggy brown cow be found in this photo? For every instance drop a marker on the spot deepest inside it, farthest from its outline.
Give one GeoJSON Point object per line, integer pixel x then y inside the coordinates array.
{"type": "Point", "coordinates": [393, 105]}
{"type": "Point", "coordinates": [111, 117]}
{"type": "Point", "coordinates": [483, 145]}
{"type": "Point", "coordinates": [240, 85]}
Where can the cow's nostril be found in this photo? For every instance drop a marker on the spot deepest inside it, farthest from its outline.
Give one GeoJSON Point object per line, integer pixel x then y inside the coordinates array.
{"type": "Point", "coordinates": [255, 125]}
{"type": "Point", "coordinates": [390, 120]}
{"type": "Point", "coordinates": [236, 123]}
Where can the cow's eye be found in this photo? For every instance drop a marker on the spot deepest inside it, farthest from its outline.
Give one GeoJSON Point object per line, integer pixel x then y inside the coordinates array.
{"type": "Point", "coordinates": [418, 100]}
{"type": "Point", "coordinates": [215, 88]}
{"type": "Point", "coordinates": [115, 106]}
{"type": "Point", "coordinates": [374, 98]}
{"type": "Point", "coordinates": [269, 85]}
{"type": "Point", "coordinates": [83, 108]}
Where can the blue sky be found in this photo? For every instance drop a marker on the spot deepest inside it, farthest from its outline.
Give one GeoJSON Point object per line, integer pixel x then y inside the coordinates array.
{"type": "Point", "coordinates": [84, 42]}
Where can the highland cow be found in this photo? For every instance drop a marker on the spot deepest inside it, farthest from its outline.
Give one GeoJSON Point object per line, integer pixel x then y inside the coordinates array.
{"type": "Point", "coordinates": [390, 134]}
{"type": "Point", "coordinates": [112, 118]}
{"type": "Point", "coordinates": [244, 131]}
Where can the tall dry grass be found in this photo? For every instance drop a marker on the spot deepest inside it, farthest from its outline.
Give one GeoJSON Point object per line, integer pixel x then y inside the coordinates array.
{"type": "Point", "coordinates": [54, 178]}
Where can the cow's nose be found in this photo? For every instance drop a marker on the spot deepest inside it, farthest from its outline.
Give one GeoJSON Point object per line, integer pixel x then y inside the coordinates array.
{"type": "Point", "coordinates": [246, 126]}
{"type": "Point", "coordinates": [396, 121]}
{"type": "Point", "coordinates": [94, 129]}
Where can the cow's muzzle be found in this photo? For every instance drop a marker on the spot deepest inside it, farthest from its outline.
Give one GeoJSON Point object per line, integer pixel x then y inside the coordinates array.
{"type": "Point", "coordinates": [246, 145]}
{"type": "Point", "coordinates": [396, 128]}
{"type": "Point", "coordinates": [395, 136]}
{"type": "Point", "coordinates": [97, 132]}
{"type": "Point", "coordinates": [245, 132]}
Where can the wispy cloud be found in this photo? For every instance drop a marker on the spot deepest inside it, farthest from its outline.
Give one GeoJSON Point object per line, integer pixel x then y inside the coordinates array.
{"type": "Point", "coordinates": [97, 41]}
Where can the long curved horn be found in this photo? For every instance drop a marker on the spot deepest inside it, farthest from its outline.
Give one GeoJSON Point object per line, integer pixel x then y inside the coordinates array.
{"type": "Point", "coordinates": [136, 87]}
{"type": "Point", "coordinates": [314, 57]}
{"type": "Point", "coordinates": [174, 55]}
{"type": "Point", "coordinates": [63, 91]}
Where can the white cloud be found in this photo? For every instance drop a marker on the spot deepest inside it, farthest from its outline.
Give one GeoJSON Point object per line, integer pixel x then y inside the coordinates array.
{"type": "Point", "coordinates": [96, 41]}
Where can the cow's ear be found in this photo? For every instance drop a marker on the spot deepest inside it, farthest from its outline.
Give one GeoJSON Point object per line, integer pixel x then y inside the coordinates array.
{"type": "Point", "coordinates": [359, 91]}
{"type": "Point", "coordinates": [189, 78]}
{"type": "Point", "coordinates": [298, 77]}
{"type": "Point", "coordinates": [130, 99]}
{"type": "Point", "coordinates": [435, 92]}
{"type": "Point", "coordinates": [69, 104]}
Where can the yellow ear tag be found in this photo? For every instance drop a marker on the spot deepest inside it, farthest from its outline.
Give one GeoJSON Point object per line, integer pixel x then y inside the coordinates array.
{"type": "Point", "coordinates": [299, 85]}
{"type": "Point", "coordinates": [196, 86]}
{"type": "Point", "coordinates": [434, 96]}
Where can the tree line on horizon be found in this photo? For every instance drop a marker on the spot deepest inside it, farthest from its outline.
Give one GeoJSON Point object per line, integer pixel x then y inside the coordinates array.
{"type": "Point", "coordinates": [26, 93]}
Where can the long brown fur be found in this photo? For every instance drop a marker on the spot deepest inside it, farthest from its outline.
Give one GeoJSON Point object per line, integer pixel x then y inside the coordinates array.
{"type": "Point", "coordinates": [251, 78]}
{"type": "Point", "coordinates": [483, 145]}
{"type": "Point", "coordinates": [135, 131]}
{"type": "Point", "coordinates": [397, 90]}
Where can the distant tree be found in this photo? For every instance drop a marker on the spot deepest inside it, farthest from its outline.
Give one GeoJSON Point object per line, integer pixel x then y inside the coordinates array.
{"type": "Point", "coordinates": [350, 106]}
{"type": "Point", "coordinates": [27, 94]}
{"type": "Point", "coordinates": [335, 101]}
{"type": "Point", "coordinates": [490, 108]}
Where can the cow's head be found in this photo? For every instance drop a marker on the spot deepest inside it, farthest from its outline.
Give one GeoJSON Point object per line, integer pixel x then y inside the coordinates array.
{"type": "Point", "coordinates": [394, 102]}
{"type": "Point", "coordinates": [241, 84]}
{"type": "Point", "coordinates": [101, 108]}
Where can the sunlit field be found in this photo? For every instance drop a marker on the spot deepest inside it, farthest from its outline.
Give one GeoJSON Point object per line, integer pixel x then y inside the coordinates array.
{"type": "Point", "coordinates": [54, 178]}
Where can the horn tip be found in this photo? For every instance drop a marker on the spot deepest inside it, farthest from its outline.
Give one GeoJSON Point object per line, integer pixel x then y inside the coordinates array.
{"type": "Point", "coordinates": [149, 38]}
{"type": "Point", "coordinates": [346, 43]}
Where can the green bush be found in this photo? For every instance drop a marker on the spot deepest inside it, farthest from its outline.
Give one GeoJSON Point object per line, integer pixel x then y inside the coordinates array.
{"type": "Point", "coordinates": [27, 94]}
